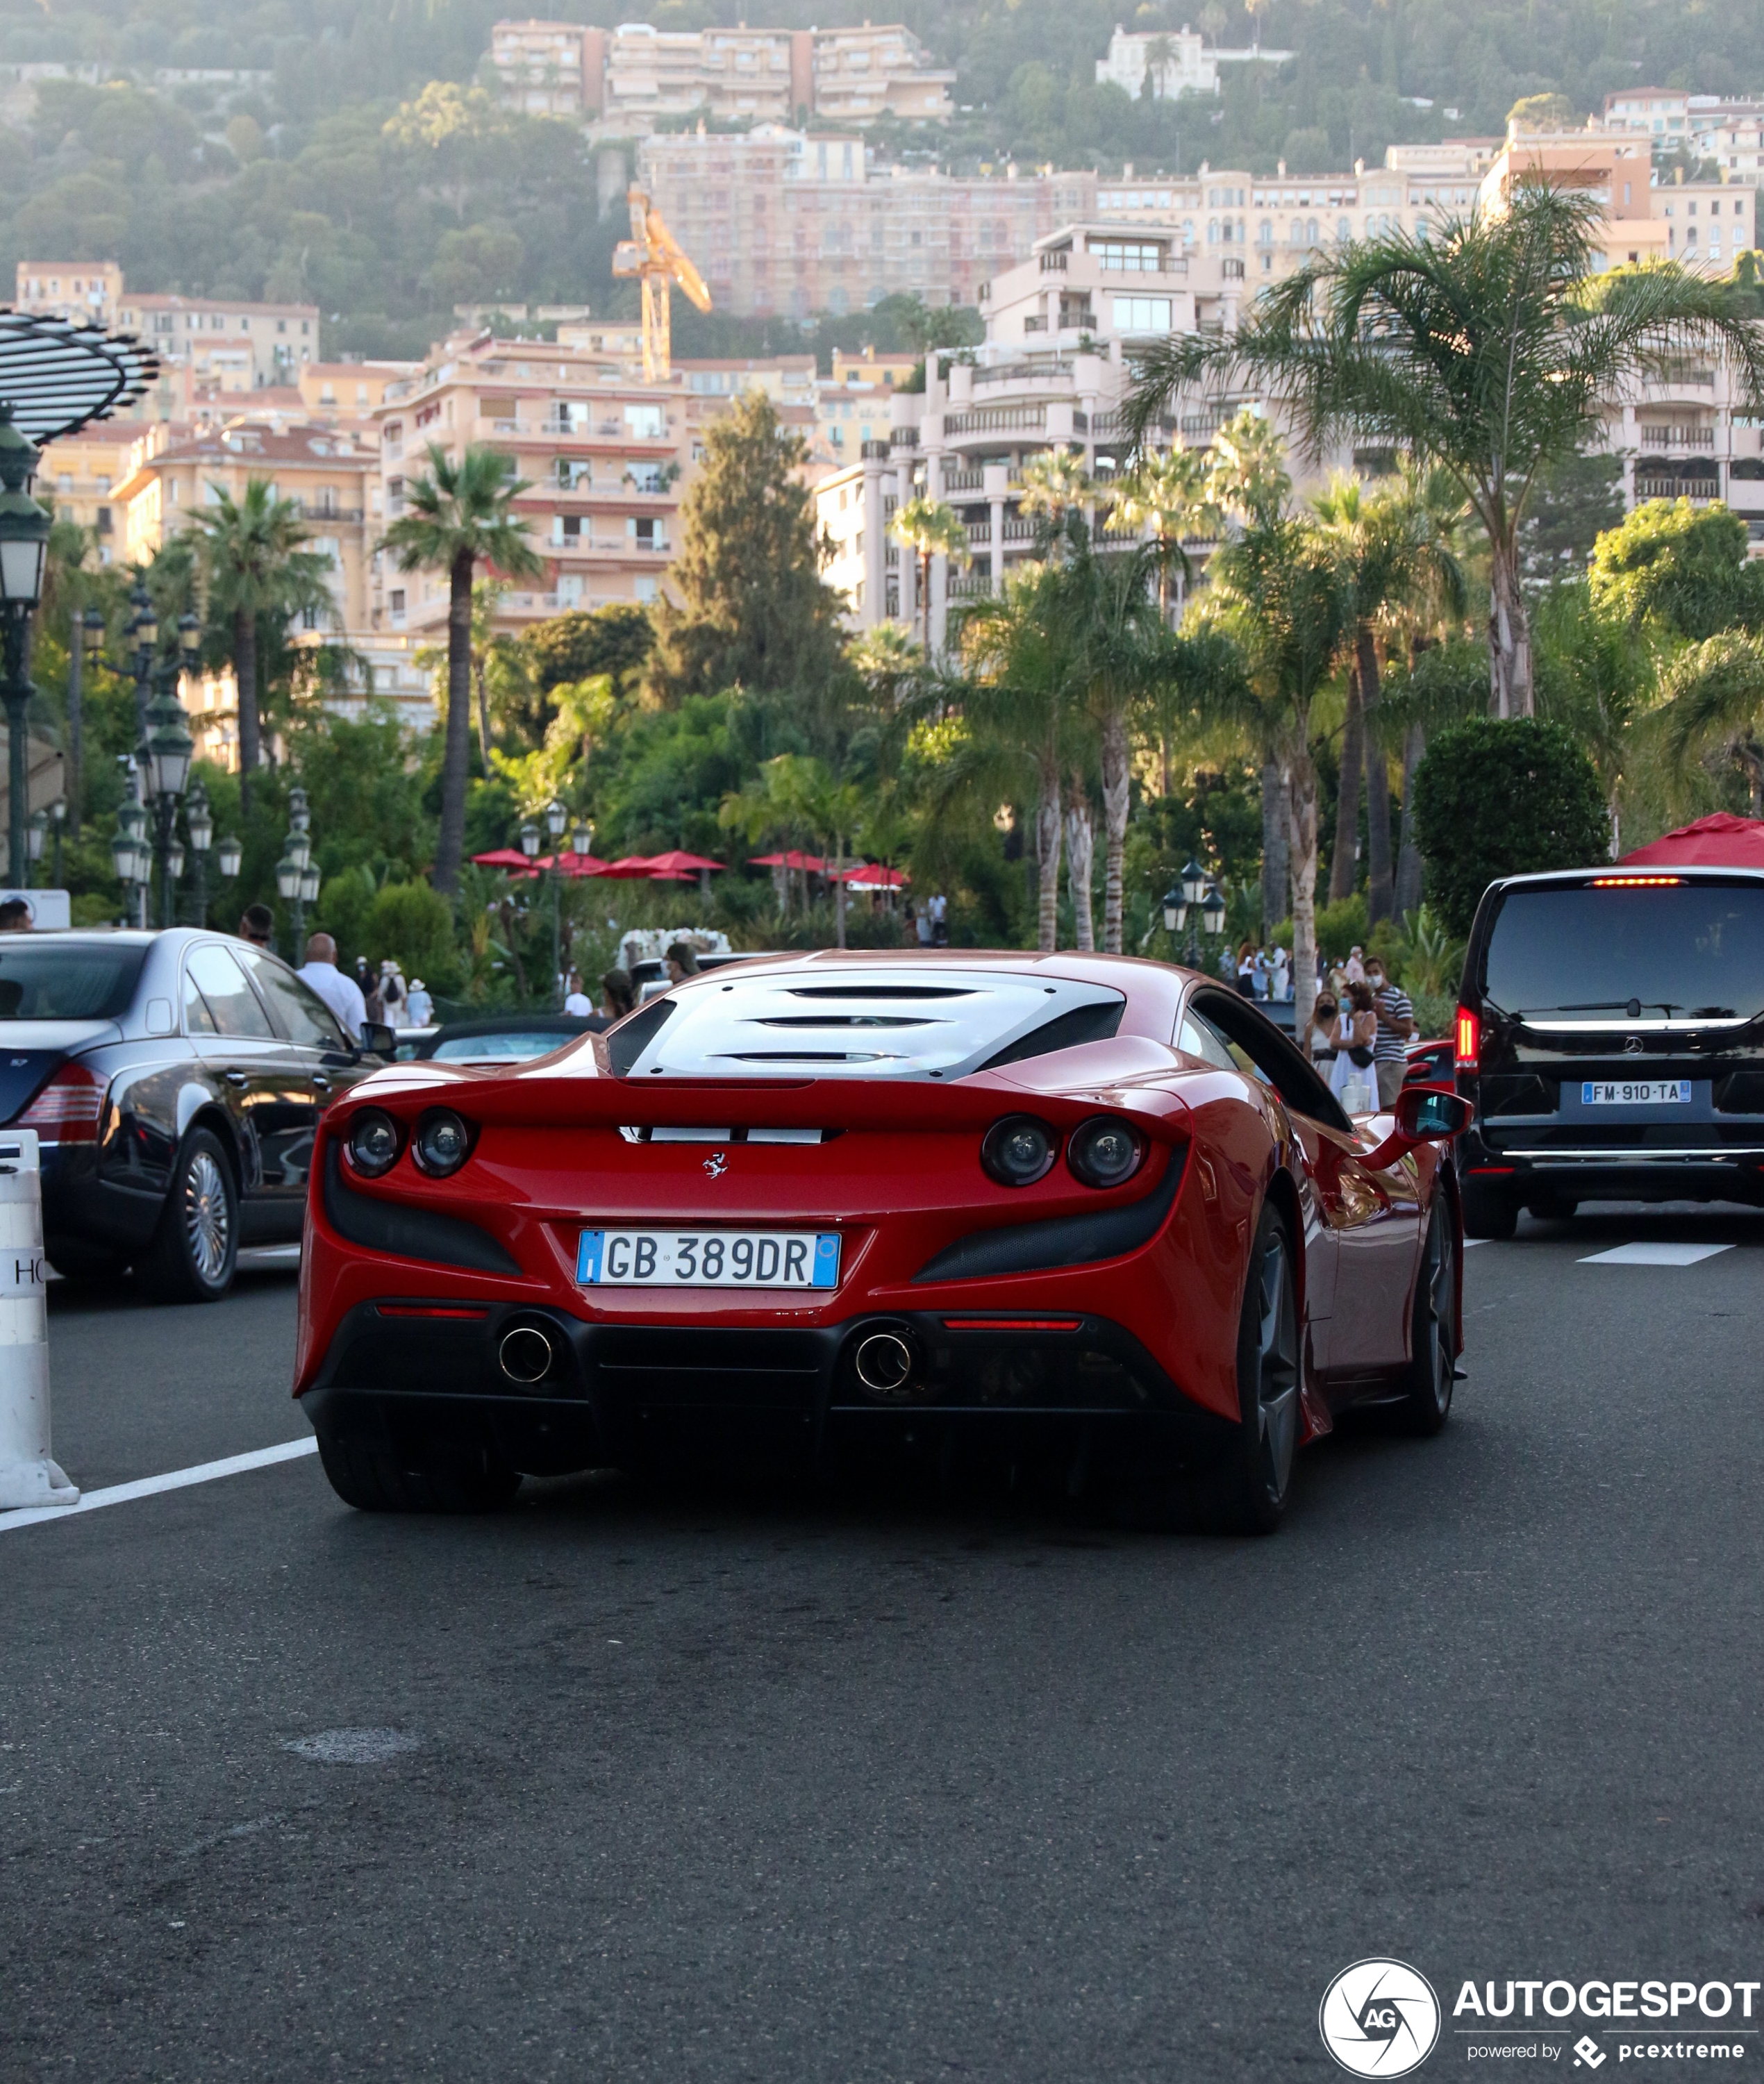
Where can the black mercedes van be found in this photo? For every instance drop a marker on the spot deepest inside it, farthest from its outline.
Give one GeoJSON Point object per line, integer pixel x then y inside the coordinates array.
{"type": "Point", "coordinates": [1610, 1040]}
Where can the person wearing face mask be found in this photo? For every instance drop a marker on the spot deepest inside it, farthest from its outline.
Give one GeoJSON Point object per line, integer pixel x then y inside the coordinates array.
{"type": "Point", "coordinates": [1396, 1026]}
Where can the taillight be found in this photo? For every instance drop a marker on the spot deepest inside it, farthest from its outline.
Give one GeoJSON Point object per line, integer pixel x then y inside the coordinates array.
{"type": "Point", "coordinates": [1469, 1039]}
{"type": "Point", "coordinates": [69, 1108]}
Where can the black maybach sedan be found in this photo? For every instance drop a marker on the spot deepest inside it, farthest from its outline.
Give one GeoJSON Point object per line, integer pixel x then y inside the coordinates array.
{"type": "Point", "coordinates": [176, 1081]}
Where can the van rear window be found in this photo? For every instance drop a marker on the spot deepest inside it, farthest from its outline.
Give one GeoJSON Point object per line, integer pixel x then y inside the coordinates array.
{"type": "Point", "coordinates": [1692, 951]}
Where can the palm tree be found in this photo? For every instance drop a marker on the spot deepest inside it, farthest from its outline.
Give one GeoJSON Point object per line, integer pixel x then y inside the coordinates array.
{"type": "Point", "coordinates": [1397, 550]}
{"type": "Point", "coordinates": [1165, 496]}
{"type": "Point", "coordinates": [253, 569]}
{"type": "Point", "coordinates": [457, 517]}
{"type": "Point", "coordinates": [1715, 705]}
{"type": "Point", "coordinates": [1488, 348]}
{"type": "Point", "coordinates": [1020, 725]}
{"type": "Point", "coordinates": [1122, 653]}
{"type": "Point", "coordinates": [1055, 483]}
{"type": "Point", "coordinates": [1212, 20]}
{"type": "Point", "coordinates": [929, 529]}
{"type": "Point", "coordinates": [1281, 590]}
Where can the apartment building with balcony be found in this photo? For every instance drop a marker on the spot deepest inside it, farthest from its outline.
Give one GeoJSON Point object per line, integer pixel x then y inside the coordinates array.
{"type": "Point", "coordinates": [88, 292]}
{"type": "Point", "coordinates": [176, 473]}
{"type": "Point", "coordinates": [346, 393]}
{"type": "Point", "coordinates": [628, 79]}
{"type": "Point", "coordinates": [605, 457]}
{"type": "Point", "coordinates": [780, 221]}
{"type": "Point", "coordinates": [233, 346]}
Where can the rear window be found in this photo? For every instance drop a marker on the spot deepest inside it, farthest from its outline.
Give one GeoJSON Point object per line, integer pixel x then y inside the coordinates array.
{"type": "Point", "coordinates": [900, 1022]}
{"type": "Point", "coordinates": [1693, 950]}
{"type": "Point", "coordinates": [56, 980]}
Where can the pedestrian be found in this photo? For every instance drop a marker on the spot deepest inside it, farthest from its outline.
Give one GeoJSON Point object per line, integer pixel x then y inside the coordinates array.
{"type": "Point", "coordinates": [939, 911]}
{"type": "Point", "coordinates": [372, 999]}
{"type": "Point", "coordinates": [1356, 964]}
{"type": "Point", "coordinates": [340, 993]}
{"type": "Point", "coordinates": [1396, 1027]}
{"type": "Point", "coordinates": [257, 924]}
{"type": "Point", "coordinates": [575, 1000]}
{"type": "Point", "coordinates": [1246, 969]}
{"type": "Point", "coordinates": [618, 994]}
{"type": "Point", "coordinates": [1356, 1032]}
{"type": "Point", "coordinates": [1319, 1043]}
{"type": "Point", "coordinates": [422, 1006]}
{"type": "Point", "coordinates": [1280, 976]}
{"type": "Point", "coordinates": [682, 961]}
{"type": "Point", "coordinates": [922, 923]}
{"type": "Point", "coordinates": [14, 916]}
{"type": "Point", "coordinates": [392, 991]}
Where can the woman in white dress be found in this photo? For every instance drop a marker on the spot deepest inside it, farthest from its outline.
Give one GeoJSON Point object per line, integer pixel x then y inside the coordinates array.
{"type": "Point", "coordinates": [1356, 1028]}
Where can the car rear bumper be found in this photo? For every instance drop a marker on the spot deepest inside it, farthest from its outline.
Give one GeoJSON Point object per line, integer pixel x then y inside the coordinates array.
{"type": "Point", "coordinates": [401, 1378]}
{"type": "Point", "coordinates": [1657, 1169]}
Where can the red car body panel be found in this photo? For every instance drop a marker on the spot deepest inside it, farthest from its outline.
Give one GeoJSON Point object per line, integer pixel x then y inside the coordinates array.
{"type": "Point", "coordinates": [901, 1181]}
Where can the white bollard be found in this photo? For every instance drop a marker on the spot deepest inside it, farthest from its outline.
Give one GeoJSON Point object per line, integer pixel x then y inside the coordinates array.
{"type": "Point", "coordinates": [27, 1475]}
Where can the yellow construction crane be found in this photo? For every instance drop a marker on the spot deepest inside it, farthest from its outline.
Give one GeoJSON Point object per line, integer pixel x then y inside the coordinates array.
{"type": "Point", "coordinates": [652, 253]}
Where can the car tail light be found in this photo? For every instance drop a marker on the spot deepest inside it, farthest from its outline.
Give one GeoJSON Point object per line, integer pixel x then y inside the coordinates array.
{"type": "Point", "coordinates": [69, 1108]}
{"type": "Point", "coordinates": [1469, 1039]}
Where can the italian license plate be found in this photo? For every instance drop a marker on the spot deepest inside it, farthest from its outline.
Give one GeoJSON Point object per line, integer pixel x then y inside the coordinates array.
{"type": "Point", "coordinates": [708, 1259]}
{"type": "Point", "coordinates": [1635, 1092]}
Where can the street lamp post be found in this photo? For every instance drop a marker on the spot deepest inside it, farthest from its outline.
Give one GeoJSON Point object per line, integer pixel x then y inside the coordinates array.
{"type": "Point", "coordinates": [530, 841]}
{"type": "Point", "coordinates": [143, 626]}
{"type": "Point", "coordinates": [291, 871]}
{"type": "Point", "coordinates": [1182, 904]}
{"type": "Point", "coordinates": [556, 818]}
{"type": "Point", "coordinates": [129, 852]}
{"type": "Point", "coordinates": [58, 812]}
{"type": "Point", "coordinates": [199, 822]}
{"type": "Point", "coordinates": [165, 755]}
{"type": "Point", "coordinates": [230, 857]}
{"type": "Point", "coordinates": [87, 635]}
{"type": "Point", "coordinates": [24, 537]}
{"type": "Point", "coordinates": [36, 833]}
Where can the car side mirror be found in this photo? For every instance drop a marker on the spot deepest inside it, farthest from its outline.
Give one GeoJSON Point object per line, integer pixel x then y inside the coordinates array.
{"type": "Point", "coordinates": [378, 1039]}
{"type": "Point", "coordinates": [1427, 1115]}
{"type": "Point", "coordinates": [1423, 1114]}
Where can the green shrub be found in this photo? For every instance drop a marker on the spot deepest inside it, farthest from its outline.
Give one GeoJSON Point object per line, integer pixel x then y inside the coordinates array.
{"type": "Point", "coordinates": [1503, 798]}
{"type": "Point", "coordinates": [414, 924]}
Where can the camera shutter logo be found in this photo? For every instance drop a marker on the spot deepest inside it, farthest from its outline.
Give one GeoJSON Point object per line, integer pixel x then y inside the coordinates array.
{"type": "Point", "coordinates": [1380, 2019]}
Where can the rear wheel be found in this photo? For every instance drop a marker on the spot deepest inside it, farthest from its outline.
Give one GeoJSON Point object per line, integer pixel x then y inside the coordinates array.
{"type": "Point", "coordinates": [1433, 1331]}
{"type": "Point", "coordinates": [373, 1480]}
{"type": "Point", "coordinates": [1257, 1474]}
{"type": "Point", "coordinates": [197, 1244]}
{"type": "Point", "coordinates": [1488, 1211]}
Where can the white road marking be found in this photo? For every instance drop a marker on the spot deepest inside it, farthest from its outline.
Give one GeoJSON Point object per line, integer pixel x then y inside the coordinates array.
{"type": "Point", "coordinates": [174, 1480]}
{"type": "Point", "coordinates": [1654, 1254]}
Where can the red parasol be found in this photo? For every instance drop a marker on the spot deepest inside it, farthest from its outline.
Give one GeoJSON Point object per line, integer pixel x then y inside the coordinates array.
{"type": "Point", "coordinates": [1720, 841]}
{"type": "Point", "coordinates": [572, 864]}
{"type": "Point", "coordinates": [812, 862]}
{"type": "Point", "coordinates": [509, 857]}
{"type": "Point", "coordinates": [678, 862]}
{"type": "Point", "coordinates": [862, 878]}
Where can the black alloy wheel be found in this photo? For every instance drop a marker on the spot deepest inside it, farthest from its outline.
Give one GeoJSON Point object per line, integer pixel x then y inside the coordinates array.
{"type": "Point", "coordinates": [1433, 1331]}
{"type": "Point", "coordinates": [196, 1248]}
{"type": "Point", "coordinates": [1258, 1477]}
{"type": "Point", "coordinates": [372, 1481]}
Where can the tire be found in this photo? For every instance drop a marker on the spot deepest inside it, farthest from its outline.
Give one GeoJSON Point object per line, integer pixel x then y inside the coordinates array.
{"type": "Point", "coordinates": [1256, 1480]}
{"type": "Point", "coordinates": [196, 1248]}
{"type": "Point", "coordinates": [1433, 1332]}
{"type": "Point", "coordinates": [1488, 1213]}
{"type": "Point", "coordinates": [373, 1480]}
{"type": "Point", "coordinates": [1551, 1208]}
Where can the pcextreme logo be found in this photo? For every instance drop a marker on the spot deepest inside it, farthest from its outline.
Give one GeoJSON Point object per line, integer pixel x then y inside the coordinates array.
{"type": "Point", "coordinates": [1380, 2019]}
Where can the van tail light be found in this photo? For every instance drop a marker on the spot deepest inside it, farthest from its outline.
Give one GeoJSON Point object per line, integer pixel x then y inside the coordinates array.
{"type": "Point", "coordinates": [69, 1108]}
{"type": "Point", "coordinates": [1469, 1039]}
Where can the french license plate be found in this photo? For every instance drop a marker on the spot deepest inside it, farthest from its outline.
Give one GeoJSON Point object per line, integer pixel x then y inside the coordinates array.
{"type": "Point", "coordinates": [708, 1259]}
{"type": "Point", "coordinates": [1635, 1092]}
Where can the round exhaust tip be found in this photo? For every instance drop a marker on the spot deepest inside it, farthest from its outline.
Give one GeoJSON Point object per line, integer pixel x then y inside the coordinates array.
{"type": "Point", "coordinates": [885, 1363]}
{"type": "Point", "coordinates": [525, 1354]}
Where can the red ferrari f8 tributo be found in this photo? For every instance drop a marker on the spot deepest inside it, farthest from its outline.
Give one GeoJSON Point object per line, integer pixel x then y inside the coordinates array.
{"type": "Point", "coordinates": [817, 1204]}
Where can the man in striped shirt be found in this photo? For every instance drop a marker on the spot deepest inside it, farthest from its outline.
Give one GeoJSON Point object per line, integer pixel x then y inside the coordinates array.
{"type": "Point", "coordinates": [1395, 1025]}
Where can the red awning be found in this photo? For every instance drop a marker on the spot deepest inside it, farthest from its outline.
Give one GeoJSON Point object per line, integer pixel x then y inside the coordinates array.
{"type": "Point", "coordinates": [509, 857]}
{"type": "Point", "coordinates": [866, 878]}
{"type": "Point", "coordinates": [572, 864]}
{"type": "Point", "coordinates": [1721, 840]}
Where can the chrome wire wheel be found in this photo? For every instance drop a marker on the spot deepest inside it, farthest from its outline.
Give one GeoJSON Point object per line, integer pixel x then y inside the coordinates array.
{"type": "Point", "coordinates": [207, 1216]}
{"type": "Point", "coordinates": [1277, 1369]}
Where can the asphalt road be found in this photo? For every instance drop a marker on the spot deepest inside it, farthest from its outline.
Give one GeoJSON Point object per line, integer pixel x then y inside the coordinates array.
{"type": "Point", "coordinates": [779, 1789]}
